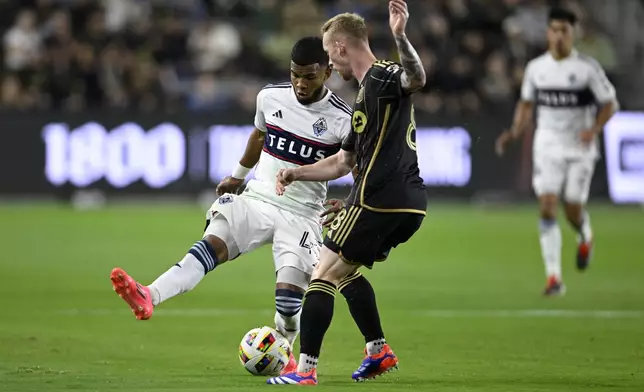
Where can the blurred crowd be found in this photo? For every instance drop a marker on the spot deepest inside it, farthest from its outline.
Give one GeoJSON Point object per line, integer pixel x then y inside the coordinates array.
{"type": "Point", "coordinates": [214, 55]}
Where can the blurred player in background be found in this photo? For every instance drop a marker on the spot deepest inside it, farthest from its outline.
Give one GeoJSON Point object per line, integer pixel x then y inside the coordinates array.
{"type": "Point", "coordinates": [296, 124]}
{"type": "Point", "coordinates": [387, 203]}
{"type": "Point", "coordinates": [566, 87]}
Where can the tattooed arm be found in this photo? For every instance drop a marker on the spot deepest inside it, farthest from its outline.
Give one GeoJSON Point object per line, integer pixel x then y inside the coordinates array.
{"type": "Point", "coordinates": [413, 77]}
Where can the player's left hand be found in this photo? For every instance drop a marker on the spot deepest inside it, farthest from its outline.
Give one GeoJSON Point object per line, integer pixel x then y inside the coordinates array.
{"type": "Point", "coordinates": [588, 136]}
{"type": "Point", "coordinates": [229, 185]}
{"type": "Point", "coordinates": [336, 206]}
{"type": "Point", "coordinates": [284, 178]}
{"type": "Point", "coordinates": [398, 16]}
{"type": "Point", "coordinates": [502, 141]}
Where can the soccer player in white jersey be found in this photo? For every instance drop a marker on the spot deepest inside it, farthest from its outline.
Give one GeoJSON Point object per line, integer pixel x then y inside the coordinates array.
{"type": "Point", "coordinates": [296, 123]}
{"type": "Point", "coordinates": [574, 100]}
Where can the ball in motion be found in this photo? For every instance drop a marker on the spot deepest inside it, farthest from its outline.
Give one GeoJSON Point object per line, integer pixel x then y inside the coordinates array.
{"type": "Point", "coordinates": [264, 351]}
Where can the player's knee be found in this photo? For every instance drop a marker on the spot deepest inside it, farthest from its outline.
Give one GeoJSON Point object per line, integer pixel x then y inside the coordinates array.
{"type": "Point", "coordinates": [218, 235]}
{"type": "Point", "coordinates": [289, 292]}
{"type": "Point", "coordinates": [288, 303]}
{"type": "Point", "coordinates": [288, 306]}
{"type": "Point", "coordinates": [548, 207]}
{"type": "Point", "coordinates": [574, 212]}
{"type": "Point", "coordinates": [332, 275]}
{"type": "Point", "coordinates": [219, 246]}
{"type": "Point", "coordinates": [326, 275]}
{"type": "Point", "coordinates": [349, 280]}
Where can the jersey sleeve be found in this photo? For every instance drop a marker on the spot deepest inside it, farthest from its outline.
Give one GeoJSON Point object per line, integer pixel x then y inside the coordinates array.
{"type": "Point", "coordinates": [349, 144]}
{"type": "Point", "coordinates": [528, 88]}
{"type": "Point", "coordinates": [601, 87]}
{"type": "Point", "coordinates": [344, 130]}
{"type": "Point", "coordinates": [260, 121]}
{"type": "Point", "coordinates": [386, 76]}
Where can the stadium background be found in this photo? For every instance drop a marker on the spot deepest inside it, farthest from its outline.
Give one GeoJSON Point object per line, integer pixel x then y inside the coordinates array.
{"type": "Point", "coordinates": [144, 102]}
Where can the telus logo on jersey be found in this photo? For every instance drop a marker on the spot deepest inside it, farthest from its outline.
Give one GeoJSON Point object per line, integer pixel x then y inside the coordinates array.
{"type": "Point", "coordinates": [565, 98]}
{"type": "Point", "coordinates": [292, 148]}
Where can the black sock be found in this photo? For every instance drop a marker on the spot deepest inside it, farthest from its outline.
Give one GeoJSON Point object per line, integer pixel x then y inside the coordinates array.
{"type": "Point", "coordinates": [317, 313]}
{"type": "Point", "coordinates": [362, 304]}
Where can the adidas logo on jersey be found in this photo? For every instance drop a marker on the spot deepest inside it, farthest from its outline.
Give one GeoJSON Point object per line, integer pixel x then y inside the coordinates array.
{"type": "Point", "coordinates": [278, 114]}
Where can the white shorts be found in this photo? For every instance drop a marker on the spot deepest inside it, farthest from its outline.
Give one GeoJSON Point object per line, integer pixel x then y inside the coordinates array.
{"type": "Point", "coordinates": [567, 177]}
{"type": "Point", "coordinates": [252, 223]}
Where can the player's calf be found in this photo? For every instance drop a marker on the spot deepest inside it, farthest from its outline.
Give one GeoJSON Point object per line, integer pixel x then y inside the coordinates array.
{"type": "Point", "coordinates": [289, 293]}
{"type": "Point", "coordinates": [184, 276]}
{"type": "Point", "coordinates": [580, 221]}
{"type": "Point", "coordinates": [361, 300]}
{"type": "Point", "coordinates": [288, 305]}
{"type": "Point", "coordinates": [201, 258]}
{"type": "Point", "coordinates": [550, 237]}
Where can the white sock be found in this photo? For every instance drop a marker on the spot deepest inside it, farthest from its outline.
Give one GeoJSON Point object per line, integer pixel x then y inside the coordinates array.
{"type": "Point", "coordinates": [288, 305]}
{"type": "Point", "coordinates": [182, 277]}
{"type": "Point", "coordinates": [306, 363]}
{"type": "Point", "coordinates": [375, 346]}
{"type": "Point", "coordinates": [289, 327]}
{"type": "Point", "coordinates": [550, 239]}
{"type": "Point", "coordinates": [586, 234]}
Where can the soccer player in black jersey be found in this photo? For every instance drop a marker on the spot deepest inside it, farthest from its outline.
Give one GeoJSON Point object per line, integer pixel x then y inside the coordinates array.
{"type": "Point", "coordinates": [387, 203]}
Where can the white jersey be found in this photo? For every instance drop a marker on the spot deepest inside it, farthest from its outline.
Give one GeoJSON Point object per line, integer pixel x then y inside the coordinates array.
{"type": "Point", "coordinates": [296, 135]}
{"type": "Point", "coordinates": [566, 93]}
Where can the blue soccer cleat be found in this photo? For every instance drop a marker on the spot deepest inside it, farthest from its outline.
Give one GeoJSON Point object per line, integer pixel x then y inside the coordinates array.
{"type": "Point", "coordinates": [295, 378]}
{"type": "Point", "coordinates": [375, 365]}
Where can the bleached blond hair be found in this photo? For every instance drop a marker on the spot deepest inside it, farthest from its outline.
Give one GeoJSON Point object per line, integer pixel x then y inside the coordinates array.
{"type": "Point", "coordinates": [351, 25]}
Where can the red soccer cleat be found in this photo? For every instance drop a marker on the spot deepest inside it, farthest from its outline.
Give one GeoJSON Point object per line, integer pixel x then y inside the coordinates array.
{"type": "Point", "coordinates": [290, 367]}
{"type": "Point", "coordinates": [554, 287]}
{"type": "Point", "coordinates": [375, 365]}
{"type": "Point", "coordinates": [584, 253]}
{"type": "Point", "coordinates": [136, 295]}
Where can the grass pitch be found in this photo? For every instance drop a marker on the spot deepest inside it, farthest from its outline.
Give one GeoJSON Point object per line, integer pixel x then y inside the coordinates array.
{"type": "Point", "coordinates": [460, 304]}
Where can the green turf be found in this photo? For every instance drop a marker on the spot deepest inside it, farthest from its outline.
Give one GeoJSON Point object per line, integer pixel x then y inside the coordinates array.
{"type": "Point", "coordinates": [460, 304]}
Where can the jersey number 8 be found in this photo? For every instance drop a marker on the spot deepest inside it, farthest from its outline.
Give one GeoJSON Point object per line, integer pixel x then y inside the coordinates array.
{"type": "Point", "coordinates": [338, 220]}
{"type": "Point", "coordinates": [410, 129]}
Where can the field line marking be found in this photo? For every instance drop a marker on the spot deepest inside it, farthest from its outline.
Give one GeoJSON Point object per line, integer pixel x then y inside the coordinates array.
{"type": "Point", "coordinates": [429, 313]}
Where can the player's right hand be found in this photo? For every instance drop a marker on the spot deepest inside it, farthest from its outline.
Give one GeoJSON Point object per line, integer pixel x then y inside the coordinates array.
{"type": "Point", "coordinates": [398, 16]}
{"type": "Point", "coordinates": [336, 206]}
{"type": "Point", "coordinates": [284, 178]}
{"type": "Point", "coordinates": [501, 142]}
{"type": "Point", "coordinates": [229, 185]}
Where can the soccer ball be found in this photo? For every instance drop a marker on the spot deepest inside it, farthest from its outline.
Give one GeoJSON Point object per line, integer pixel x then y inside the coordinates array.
{"type": "Point", "coordinates": [264, 352]}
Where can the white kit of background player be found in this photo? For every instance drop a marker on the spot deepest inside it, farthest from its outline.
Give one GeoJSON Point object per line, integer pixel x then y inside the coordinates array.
{"type": "Point", "coordinates": [574, 100]}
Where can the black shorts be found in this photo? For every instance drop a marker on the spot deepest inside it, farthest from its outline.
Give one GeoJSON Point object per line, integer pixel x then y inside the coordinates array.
{"type": "Point", "coordinates": [361, 236]}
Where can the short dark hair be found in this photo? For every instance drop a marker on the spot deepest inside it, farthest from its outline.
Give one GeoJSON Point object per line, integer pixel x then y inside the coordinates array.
{"type": "Point", "coordinates": [309, 50]}
{"type": "Point", "coordinates": [562, 14]}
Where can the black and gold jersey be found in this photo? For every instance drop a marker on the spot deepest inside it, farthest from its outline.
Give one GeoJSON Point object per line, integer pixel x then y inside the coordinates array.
{"type": "Point", "coordinates": [384, 138]}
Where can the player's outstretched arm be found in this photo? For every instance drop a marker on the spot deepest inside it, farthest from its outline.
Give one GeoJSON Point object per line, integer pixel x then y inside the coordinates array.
{"type": "Point", "coordinates": [331, 168]}
{"type": "Point", "coordinates": [413, 77]}
{"type": "Point", "coordinates": [250, 158]}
